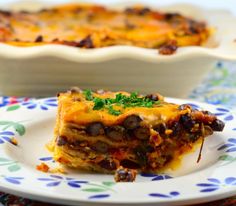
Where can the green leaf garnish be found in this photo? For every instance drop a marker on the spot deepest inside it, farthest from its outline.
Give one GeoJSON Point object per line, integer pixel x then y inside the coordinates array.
{"type": "Point", "coordinates": [98, 103]}
{"type": "Point", "coordinates": [133, 100]}
{"type": "Point", "coordinates": [112, 111]}
{"type": "Point", "coordinates": [88, 94]}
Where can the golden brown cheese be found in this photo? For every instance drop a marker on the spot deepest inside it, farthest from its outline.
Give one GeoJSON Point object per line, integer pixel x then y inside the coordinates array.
{"type": "Point", "coordinates": [74, 104]}
{"type": "Point", "coordinates": [94, 26]}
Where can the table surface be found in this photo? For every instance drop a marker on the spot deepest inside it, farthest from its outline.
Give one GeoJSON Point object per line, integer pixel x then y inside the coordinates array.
{"type": "Point", "coordinates": [218, 88]}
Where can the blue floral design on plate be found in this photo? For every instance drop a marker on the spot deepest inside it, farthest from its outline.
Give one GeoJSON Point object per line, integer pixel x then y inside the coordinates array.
{"type": "Point", "coordinates": [44, 105]}
{"type": "Point", "coordinates": [5, 100]}
{"type": "Point", "coordinates": [214, 184]}
{"type": "Point", "coordinates": [55, 180]}
{"type": "Point", "coordinates": [5, 136]}
{"type": "Point", "coordinates": [156, 177]}
{"type": "Point", "coordinates": [225, 113]}
{"type": "Point", "coordinates": [230, 146]}
{"type": "Point", "coordinates": [47, 159]}
{"type": "Point", "coordinates": [14, 180]}
{"type": "Point", "coordinates": [100, 196]}
{"type": "Point", "coordinates": [194, 106]}
{"type": "Point", "coordinates": [161, 195]}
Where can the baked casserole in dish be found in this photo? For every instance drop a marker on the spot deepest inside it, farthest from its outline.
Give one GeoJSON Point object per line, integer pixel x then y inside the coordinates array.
{"type": "Point", "coordinates": [93, 26]}
{"type": "Point", "coordinates": [116, 45]}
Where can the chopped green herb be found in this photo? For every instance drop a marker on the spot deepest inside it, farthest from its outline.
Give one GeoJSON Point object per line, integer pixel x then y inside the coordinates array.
{"type": "Point", "coordinates": [120, 100]}
{"type": "Point", "coordinates": [88, 94]}
{"type": "Point", "coordinates": [98, 103]}
{"type": "Point", "coordinates": [112, 111]}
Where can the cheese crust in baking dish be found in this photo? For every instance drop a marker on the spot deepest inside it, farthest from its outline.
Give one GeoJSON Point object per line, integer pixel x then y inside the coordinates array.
{"type": "Point", "coordinates": [94, 26]}
{"type": "Point", "coordinates": [103, 131]}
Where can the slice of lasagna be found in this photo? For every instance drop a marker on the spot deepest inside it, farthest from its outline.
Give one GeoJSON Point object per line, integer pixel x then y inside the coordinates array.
{"type": "Point", "coordinates": [102, 131]}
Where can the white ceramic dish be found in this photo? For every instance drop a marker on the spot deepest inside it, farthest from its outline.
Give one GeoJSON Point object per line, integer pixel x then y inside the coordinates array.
{"type": "Point", "coordinates": [47, 69]}
{"type": "Point", "coordinates": [32, 125]}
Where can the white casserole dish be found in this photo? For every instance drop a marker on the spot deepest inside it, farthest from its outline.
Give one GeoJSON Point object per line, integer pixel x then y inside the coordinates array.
{"type": "Point", "coordinates": [45, 70]}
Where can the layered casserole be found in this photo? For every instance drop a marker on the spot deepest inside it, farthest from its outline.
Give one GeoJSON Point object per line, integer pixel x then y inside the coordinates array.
{"type": "Point", "coordinates": [94, 26]}
{"type": "Point", "coordinates": [103, 131]}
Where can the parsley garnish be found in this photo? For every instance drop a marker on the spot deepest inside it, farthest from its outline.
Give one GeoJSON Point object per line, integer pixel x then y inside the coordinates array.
{"type": "Point", "coordinates": [112, 111]}
{"type": "Point", "coordinates": [98, 103]}
{"type": "Point", "coordinates": [88, 94]}
{"type": "Point", "coordinates": [120, 100]}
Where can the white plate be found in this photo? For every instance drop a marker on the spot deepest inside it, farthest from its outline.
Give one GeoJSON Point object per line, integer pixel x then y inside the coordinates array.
{"type": "Point", "coordinates": [32, 125]}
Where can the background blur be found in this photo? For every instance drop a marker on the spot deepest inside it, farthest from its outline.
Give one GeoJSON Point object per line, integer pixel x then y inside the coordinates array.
{"type": "Point", "coordinates": [219, 4]}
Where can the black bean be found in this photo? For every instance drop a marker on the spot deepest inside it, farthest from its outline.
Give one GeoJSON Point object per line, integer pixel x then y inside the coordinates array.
{"type": "Point", "coordinates": [194, 136]}
{"type": "Point", "coordinates": [149, 148]}
{"type": "Point", "coordinates": [153, 97]}
{"type": "Point", "coordinates": [129, 164]}
{"type": "Point", "coordinates": [144, 11]}
{"type": "Point", "coordinates": [61, 141]}
{"type": "Point", "coordinates": [160, 128]}
{"type": "Point", "coordinates": [207, 113]}
{"type": "Point", "coordinates": [169, 48]}
{"type": "Point", "coordinates": [142, 133]}
{"type": "Point", "coordinates": [86, 43]}
{"type": "Point", "coordinates": [195, 27]}
{"type": "Point", "coordinates": [6, 13]}
{"type": "Point", "coordinates": [170, 16]}
{"type": "Point", "coordinates": [217, 125]}
{"type": "Point", "coordinates": [39, 39]}
{"type": "Point", "coordinates": [101, 147]}
{"type": "Point", "coordinates": [107, 164]}
{"type": "Point", "coordinates": [137, 11]}
{"type": "Point", "coordinates": [55, 40]}
{"type": "Point", "coordinates": [132, 122]}
{"type": "Point", "coordinates": [187, 122]}
{"type": "Point", "coordinates": [95, 129]}
{"type": "Point", "coordinates": [43, 10]}
{"type": "Point", "coordinates": [176, 129]}
{"type": "Point", "coordinates": [129, 135]}
{"type": "Point", "coordinates": [116, 133]}
{"type": "Point", "coordinates": [129, 11]}
{"type": "Point", "coordinates": [140, 153]}
{"type": "Point", "coordinates": [125, 175]}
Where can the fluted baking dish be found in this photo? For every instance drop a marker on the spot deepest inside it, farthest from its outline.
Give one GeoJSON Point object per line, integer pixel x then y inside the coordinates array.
{"type": "Point", "coordinates": [44, 70]}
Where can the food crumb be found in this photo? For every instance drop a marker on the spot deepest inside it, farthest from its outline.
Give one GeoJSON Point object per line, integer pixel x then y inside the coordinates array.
{"type": "Point", "coordinates": [43, 167]}
{"type": "Point", "coordinates": [14, 141]}
{"type": "Point", "coordinates": [58, 170]}
{"type": "Point", "coordinates": [125, 175]}
{"type": "Point", "coordinates": [169, 48]}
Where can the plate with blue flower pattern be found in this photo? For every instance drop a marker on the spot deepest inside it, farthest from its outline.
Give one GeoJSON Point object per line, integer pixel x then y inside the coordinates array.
{"type": "Point", "coordinates": [31, 124]}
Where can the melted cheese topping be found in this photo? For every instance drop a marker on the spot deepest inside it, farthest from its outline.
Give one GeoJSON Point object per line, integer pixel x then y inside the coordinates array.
{"type": "Point", "coordinates": [137, 26]}
{"type": "Point", "coordinates": [75, 108]}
